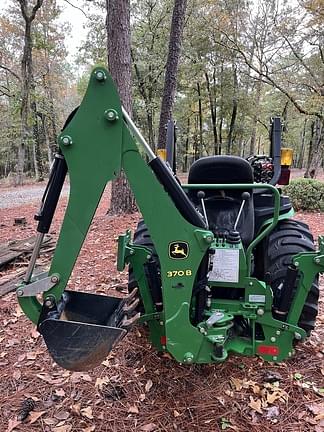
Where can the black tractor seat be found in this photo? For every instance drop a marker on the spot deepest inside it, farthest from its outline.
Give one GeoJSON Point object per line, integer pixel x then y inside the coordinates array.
{"type": "Point", "coordinates": [222, 206]}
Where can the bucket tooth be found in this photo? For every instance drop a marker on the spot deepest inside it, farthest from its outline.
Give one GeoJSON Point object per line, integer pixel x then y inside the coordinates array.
{"type": "Point", "coordinates": [132, 295]}
{"type": "Point", "coordinates": [128, 322]}
{"type": "Point", "coordinates": [129, 308]}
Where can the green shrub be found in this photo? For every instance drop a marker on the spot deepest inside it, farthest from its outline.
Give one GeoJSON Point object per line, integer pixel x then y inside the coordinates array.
{"type": "Point", "coordinates": [306, 194]}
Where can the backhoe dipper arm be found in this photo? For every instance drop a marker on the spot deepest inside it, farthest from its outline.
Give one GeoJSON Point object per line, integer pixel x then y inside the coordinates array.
{"type": "Point", "coordinates": [97, 144]}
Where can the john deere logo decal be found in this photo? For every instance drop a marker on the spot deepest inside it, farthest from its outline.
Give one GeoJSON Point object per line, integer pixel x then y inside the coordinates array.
{"type": "Point", "coordinates": [178, 250]}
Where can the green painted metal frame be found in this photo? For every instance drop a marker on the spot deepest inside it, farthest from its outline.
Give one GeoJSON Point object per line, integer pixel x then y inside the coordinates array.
{"type": "Point", "coordinates": [99, 146]}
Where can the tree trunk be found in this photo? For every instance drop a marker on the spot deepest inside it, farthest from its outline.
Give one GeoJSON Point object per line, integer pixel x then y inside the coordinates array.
{"type": "Point", "coordinates": [38, 163]}
{"type": "Point", "coordinates": [147, 98]}
{"type": "Point", "coordinates": [51, 134]}
{"type": "Point", "coordinates": [255, 116]}
{"type": "Point", "coordinates": [26, 79]}
{"type": "Point", "coordinates": [316, 148]}
{"type": "Point", "coordinates": [234, 112]}
{"type": "Point", "coordinates": [185, 168]}
{"type": "Point", "coordinates": [195, 140]}
{"type": "Point", "coordinates": [220, 135]}
{"type": "Point", "coordinates": [212, 106]}
{"type": "Point", "coordinates": [300, 162]}
{"type": "Point", "coordinates": [221, 110]}
{"type": "Point", "coordinates": [201, 143]}
{"type": "Point", "coordinates": [119, 61]}
{"type": "Point", "coordinates": [170, 83]}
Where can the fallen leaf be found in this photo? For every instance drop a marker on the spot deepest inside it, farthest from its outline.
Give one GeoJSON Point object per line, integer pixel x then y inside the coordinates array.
{"type": "Point", "coordinates": [148, 385]}
{"type": "Point", "coordinates": [62, 415]}
{"type": "Point", "coordinates": [87, 412]}
{"type": "Point", "coordinates": [16, 375]}
{"type": "Point", "coordinates": [316, 408]}
{"type": "Point", "coordinates": [256, 389]}
{"type": "Point", "coordinates": [221, 400]}
{"type": "Point", "coordinates": [273, 397]}
{"type": "Point", "coordinates": [34, 416]}
{"type": "Point", "coordinates": [255, 405]}
{"type": "Point", "coordinates": [176, 413]}
{"type": "Point", "coordinates": [34, 333]}
{"type": "Point", "coordinates": [80, 376]}
{"type": "Point", "coordinates": [21, 357]}
{"type": "Point", "coordinates": [89, 429]}
{"type": "Point", "coordinates": [63, 428]}
{"type": "Point", "coordinates": [142, 397]}
{"type": "Point", "coordinates": [18, 312]}
{"type": "Point", "coordinates": [133, 409]}
{"type": "Point", "coordinates": [272, 412]}
{"type": "Point", "coordinates": [319, 427]}
{"type": "Point", "coordinates": [50, 421]}
{"type": "Point", "coordinates": [148, 427]}
{"type": "Point", "coordinates": [31, 355]}
{"type": "Point", "coordinates": [236, 383]}
{"type": "Point", "coordinates": [76, 408]}
{"type": "Point", "coordinates": [13, 423]}
{"type": "Point", "coordinates": [60, 392]}
{"type": "Point", "coordinates": [46, 377]}
{"type": "Point", "coordinates": [101, 382]}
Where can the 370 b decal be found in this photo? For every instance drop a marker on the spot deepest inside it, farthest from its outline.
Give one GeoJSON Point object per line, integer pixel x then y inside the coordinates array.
{"type": "Point", "coordinates": [177, 273]}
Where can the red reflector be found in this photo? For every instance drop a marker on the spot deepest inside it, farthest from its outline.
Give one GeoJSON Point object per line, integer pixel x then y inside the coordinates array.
{"type": "Point", "coordinates": [163, 340]}
{"type": "Point", "coordinates": [268, 350]}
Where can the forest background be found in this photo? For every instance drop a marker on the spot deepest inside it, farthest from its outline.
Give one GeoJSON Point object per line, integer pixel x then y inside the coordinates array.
{"type": "Point", "coordinates": [241, 63]}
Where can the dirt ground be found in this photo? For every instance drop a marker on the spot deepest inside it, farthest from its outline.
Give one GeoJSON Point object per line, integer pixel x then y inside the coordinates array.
{"type": "Point", "coordinates": [135, 388]}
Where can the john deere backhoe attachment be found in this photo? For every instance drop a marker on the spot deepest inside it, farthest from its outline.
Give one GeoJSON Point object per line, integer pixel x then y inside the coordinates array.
{"type": "Point", "coordinates": [216, 267]}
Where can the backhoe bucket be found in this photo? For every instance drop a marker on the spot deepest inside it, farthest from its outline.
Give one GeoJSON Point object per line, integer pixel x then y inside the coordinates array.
{"type": "Point", "coordinates": [83, 329]}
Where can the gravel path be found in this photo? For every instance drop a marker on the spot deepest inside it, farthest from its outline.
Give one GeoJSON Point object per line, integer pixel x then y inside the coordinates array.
{"type": "Point", "coordinates": [24, 195]}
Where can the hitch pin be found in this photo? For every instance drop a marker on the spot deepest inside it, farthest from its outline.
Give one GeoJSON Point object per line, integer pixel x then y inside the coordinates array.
{"type": "Point", "coordinates": [32, 262]}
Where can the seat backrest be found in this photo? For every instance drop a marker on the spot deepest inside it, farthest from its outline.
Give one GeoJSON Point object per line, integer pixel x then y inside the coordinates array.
{"type": "Point", "coordinates": [222, 207]}
{"type": "Point", "coordinates": [220, 169]}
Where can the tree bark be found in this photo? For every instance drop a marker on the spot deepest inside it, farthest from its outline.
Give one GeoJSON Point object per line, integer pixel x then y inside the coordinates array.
{"type": "Point", "coordinates": [27, 82]}
{"type": "Point", "coordinates": [255, 116]}
{"type": "Point", "coordinates": [119, 61]}
{"type": "Point", "coordinates": [201, 142]}
{"type": "Point", "coordinates": [234, 112]}
{"type": "Point", "coordinates": [51, 120]}
{"type": "Point", "coordinates": [38, 162]}
{"type": "Point", "coordinates": [212, 106]}
{"type": "Point", "coordinates": [316, 148]}
{"type": "Point", "coordinates": [185, 167]}
{"type": "Point", "coordinates": [170, 83]}
{"type": "Point", "coordinates": [147, 98]}
{"type": "Point", "coordinates": [300, 162]}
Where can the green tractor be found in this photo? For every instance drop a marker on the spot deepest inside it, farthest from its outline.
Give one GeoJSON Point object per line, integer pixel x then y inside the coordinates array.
{"type": "Point", "coordinates": [216, 266]}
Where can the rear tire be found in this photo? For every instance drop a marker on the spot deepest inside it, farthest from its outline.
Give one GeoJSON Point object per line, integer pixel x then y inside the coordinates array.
{"type": "Point", "coordinates": [286, 240]}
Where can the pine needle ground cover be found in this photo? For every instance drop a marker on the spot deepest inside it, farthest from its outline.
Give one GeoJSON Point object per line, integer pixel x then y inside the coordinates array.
{"type": "Point", "coordinates": [135, 388]}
